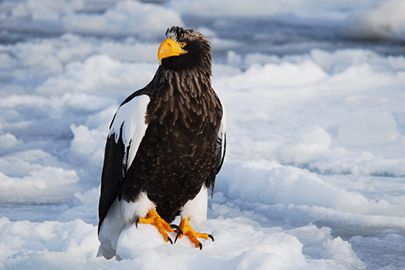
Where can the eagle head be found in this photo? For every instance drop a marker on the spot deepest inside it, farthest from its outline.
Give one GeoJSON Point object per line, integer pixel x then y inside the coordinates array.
{"type": "Point", "coordinates": [185, 49]}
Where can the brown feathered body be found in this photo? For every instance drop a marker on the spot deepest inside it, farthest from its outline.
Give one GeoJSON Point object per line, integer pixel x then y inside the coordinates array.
{"type": "Point", "coordinates": [179, 150]}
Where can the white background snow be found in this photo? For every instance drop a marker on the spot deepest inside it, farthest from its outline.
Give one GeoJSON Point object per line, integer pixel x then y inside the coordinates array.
{"type": "Point", "coordinates": [314, 176]}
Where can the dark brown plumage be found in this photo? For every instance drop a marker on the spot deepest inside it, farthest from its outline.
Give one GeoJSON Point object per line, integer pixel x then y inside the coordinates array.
{"type": "Point", "coordinates": [182, 146]}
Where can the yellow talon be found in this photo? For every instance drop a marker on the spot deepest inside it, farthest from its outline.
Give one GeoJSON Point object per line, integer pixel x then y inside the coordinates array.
{"type": "Point", "coordinates": [161, 225]}
{"type": "Point", "coordinates": [192, 235]}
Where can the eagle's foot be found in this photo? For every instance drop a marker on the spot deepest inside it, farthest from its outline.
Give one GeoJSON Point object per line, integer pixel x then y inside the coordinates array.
{"type": "Point", "coordinates": [186, 229]}
{"type": "Point", "coordinates": [161, 225]}
{"type": "Point", "coordinates": [178, 230]}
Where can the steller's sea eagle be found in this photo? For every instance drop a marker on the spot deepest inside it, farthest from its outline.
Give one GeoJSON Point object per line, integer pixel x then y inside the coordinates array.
{"type": "Point", "coordinates": [165, 146]}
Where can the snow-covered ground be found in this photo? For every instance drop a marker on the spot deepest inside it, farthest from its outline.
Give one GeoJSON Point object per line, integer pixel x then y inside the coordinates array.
{"type": "Point", "coordinates": [314, 176]}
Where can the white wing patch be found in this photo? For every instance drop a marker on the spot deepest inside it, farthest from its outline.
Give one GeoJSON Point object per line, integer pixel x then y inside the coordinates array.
{"type": "Point", "coordinates": [222, 132]}
{"type": "Point", "coordinates": [131, 116]}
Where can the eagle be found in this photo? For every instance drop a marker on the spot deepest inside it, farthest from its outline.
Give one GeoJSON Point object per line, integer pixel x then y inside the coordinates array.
{"type": "Point", "coordinates": [165, 146]}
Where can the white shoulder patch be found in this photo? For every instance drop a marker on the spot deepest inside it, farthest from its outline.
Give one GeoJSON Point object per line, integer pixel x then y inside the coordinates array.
{"type": "Point", "coordinates": [131, 116]}
{"type": "Point", "coordinates": [222, 132]}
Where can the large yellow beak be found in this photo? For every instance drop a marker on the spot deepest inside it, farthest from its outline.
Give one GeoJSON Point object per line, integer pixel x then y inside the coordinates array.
{"type": "Point", "coordinates": [169, 48]}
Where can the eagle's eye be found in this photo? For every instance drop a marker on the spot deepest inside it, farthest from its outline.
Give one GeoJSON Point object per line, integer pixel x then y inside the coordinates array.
{"type": "Point", "coordinates": [183, 44]}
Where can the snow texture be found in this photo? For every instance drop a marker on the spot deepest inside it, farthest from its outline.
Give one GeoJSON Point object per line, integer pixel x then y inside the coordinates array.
{"type": "Point", "coordinates": [315, 166]}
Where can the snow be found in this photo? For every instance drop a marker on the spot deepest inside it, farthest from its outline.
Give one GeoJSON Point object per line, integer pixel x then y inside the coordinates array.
{"type": "Point", "coordinates": [368, 129]}
{"type": "Point", "coordinates": [315, 165]}
{"type": "Point", "coordinates": [81, 16]}
{"type": "Point", "coordinates": [386, 20]}
{"type": "Point", "coordinates": [125, 17]}
{"type": "Point", "coordinates": [259, 8]}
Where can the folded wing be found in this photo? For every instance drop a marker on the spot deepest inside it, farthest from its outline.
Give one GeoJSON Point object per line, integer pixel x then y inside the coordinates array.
{"type": "Point", "coordinates": [127, 130]}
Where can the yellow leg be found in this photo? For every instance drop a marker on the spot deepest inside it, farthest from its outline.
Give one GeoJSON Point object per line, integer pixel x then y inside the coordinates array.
{"type": "Point", "coordinates": [192, 235]}
{"type": "Point", "coordinates": [153, 218]}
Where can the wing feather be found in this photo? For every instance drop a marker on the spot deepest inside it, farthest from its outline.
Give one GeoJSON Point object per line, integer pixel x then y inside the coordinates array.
{"type": "Point", "coordinates": [127, 130]}
{"type": "Point", "coordinates": [221, 141]}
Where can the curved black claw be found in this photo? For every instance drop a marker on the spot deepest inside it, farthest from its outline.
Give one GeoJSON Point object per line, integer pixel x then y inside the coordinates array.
{"type": "Point", "coordinates": [212, 237]}
{"type": "Point", "coordinates": [136, 222]}
{"type": "Point", "coordinates": [174, 226]}
{"type": "Point", "coordinates": [170, 240]}
{"type": "Point", "coordinates": [180, 231]}
{"type": "Point", "coordinates": [200, 246]}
